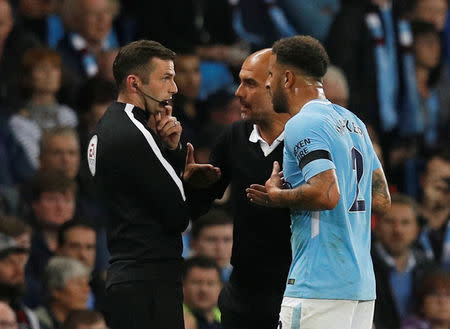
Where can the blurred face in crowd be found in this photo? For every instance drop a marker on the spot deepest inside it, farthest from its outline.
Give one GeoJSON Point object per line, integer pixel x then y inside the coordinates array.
{"type": "Point", "coordinates": [256, 104]}
{"type": "Point", "coordinates": [432, 11]}
{"type": "Point", "coordinates": [436, 306]}
{"type": "Point", "coordinates": [7, 317]}
{"type": "Point", "coordinates": [53, 208]}
{"type": "Point", "coordinates": [75, 294]}
{"type": "Point", "coordinates": [397, 229]}
{"type": "Point", "coordinates": [12, 274]}
{"type": "Point", "coordinates": [105, 64]}
{"type": "Point", "coordinates": [435, 184]}
{"type": "Point", "coordinates": [216, 242]}
{"type": "Point", "coordinates": [274, 85]}
{"type": "Point", "coordinates": [6, 20]}
{"type": "Point", "coordinates": [62, 152]}
{"type": "Point", "coordinates": [188, 75]}
{"type": "Point", "coordinates": [335, 91]}
{"type": "Point", "coordinates": [98, 325]}
{"type": "Point", "coordinates": [96, 19]}
{"type": "Point", "coordinates": [24, 240]}
{"type": "Point", "coordinates": [427, 48]}
{"type": "Point", "coordinates": [80, 243]}
{"type": "Point", "coordinates": [201, 288]}
{"type": "Point", "coordinates": [46, 77]}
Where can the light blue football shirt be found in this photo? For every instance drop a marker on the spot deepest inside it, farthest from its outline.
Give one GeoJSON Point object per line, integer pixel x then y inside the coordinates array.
{"type": "Point", "coordinates": [331, 248]}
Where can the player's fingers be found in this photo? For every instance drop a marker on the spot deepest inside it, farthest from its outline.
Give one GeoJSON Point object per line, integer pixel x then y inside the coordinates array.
{"type": "Point", "coordinates": [257, 197]}
{"type": "Point", "coordinates": [276, 168]}
{"type": "Point", "coordinates": [258, 187]}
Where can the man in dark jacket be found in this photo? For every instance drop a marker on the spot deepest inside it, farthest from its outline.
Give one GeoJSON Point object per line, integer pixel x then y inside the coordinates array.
{"type": "Point", "coordinates": [135, 158]}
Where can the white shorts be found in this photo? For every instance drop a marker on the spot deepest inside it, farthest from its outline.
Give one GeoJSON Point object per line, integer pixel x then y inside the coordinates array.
{"type": "Point", "coordinates": [303, 313]}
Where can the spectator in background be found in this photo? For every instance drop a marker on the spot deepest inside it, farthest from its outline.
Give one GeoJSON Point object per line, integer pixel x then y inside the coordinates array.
{"type": "Point", "coordinates": [432, 11]}
{"type": "Point", "coordinates": [13, 43]}
{"type": "Point", "coordinates": [98, 94]}
{"type": "Point", "coordinates": [17, 229]}
{"type": "Point", "coordinates": [89, 31]}
{"type": "Point", "coordinates": [372, 42]}
{"type": "Point", "coordinates": [7, 317]}
{"type": "Point", "coordinates": [335, 86]}
{"type": "Point", "coordinates": [397, 265]}
{"type": "Point", "coordinates": [105, 64]}
{"type": "Point", "coordinates": [212, 236]}
{"type": "Point", "coordinates": [201, 288]}
{"type": "Point", "coordinates": [435, 103]}
{"type": "Point", "coordinates": [435, 208]}
{"type": "Point", "coordinates": [41, 68]}
{"type": "Point", "coordinates": [67, 283]}
{"type": "Point", "coordinates": [60, 150]}
{"type": "Point", "coordinates": [187, 107]}
{"type": "Point", "coordinates": [52, 204]}
{"type": "Point", "coordinates": [433, 303]}
{"type": "Point", "coordinates": [84, 319]}
{"type": "Point", "coordinates": [77, 239]}
{"type": "Point", "coordinates": [12, 281]}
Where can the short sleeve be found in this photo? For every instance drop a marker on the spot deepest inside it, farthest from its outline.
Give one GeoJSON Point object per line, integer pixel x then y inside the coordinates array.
{"type": "Point", "coordinates": [308, 141]}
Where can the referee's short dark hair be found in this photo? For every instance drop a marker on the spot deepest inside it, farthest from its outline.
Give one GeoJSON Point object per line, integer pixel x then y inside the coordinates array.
{"type": "Point", "coordinates": [202, 262]}
{"type": "Point", "coordinates": [135, 57]}
{"type": "Point", "coordinates": [304, 53]}
{"type": "Point", "coordinates": [214, 217]}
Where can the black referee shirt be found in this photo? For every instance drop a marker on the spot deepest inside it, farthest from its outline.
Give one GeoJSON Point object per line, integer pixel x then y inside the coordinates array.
{"type": "Point", "coordinates": [140, 183]}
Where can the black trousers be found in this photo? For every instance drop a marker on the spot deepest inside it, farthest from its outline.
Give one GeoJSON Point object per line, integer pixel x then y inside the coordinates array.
{"type": "Point", "coordinates": [152, 304]}
{"type": "Point", "coordinates": [244, 309]}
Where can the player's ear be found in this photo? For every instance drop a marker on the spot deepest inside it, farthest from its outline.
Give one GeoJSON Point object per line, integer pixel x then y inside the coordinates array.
{"type": "Point", "coordinates": [289, 79]}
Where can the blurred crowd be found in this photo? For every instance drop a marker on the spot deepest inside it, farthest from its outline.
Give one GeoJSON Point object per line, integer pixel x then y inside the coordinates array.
{"type": "Point", "coordinates": [391, 67]}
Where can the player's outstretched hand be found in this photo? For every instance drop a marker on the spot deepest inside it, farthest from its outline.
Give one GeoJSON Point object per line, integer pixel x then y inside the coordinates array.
{"type": "Point", "coordinates": [266, 195]}
{"type": "Point", "coordinates": [199, 175]}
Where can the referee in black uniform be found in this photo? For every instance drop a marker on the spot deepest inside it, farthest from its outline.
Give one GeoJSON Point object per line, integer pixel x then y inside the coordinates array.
{"type": "Point", "coordinates": [261, 236]}
{"type": "Point", "coordinates": [135, 159]}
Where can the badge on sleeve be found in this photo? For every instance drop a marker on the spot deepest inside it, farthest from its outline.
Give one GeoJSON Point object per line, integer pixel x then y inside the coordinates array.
{"type": "Point", "coordinates": [92, 154]}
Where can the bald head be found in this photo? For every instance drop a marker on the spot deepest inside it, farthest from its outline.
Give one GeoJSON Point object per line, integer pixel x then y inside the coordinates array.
{"type": "Point", "coordinates": [256, 105]}
{"type": "Point", "coordinates": [7, 316]}
{"type": "Point", "coordinates": [6, 20]}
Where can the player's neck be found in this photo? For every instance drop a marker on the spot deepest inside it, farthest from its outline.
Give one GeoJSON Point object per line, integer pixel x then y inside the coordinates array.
{"type": "Point", "coordinates": [300, 98]}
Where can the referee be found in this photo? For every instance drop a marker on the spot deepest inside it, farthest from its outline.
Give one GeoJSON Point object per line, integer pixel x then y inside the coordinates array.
{"type": "Point", "coordinates": [134, 157]}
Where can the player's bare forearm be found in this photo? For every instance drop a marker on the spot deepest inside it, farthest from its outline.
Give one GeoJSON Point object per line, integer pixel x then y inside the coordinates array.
{"type": "Point", "coordinates": [381, 199]}
{"type": "Point", "coordinates": [320, 193]}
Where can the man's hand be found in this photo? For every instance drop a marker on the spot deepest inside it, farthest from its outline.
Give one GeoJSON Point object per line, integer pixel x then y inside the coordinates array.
{"type": "Point", "coordinates": [266, 195]}
{"type": "Point", "coordinates": [168, 128]}
{"type": "Point", "coordinates": [199, 175]}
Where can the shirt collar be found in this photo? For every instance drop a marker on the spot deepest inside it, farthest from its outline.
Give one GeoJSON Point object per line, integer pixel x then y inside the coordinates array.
{"type": "Point", "coordinates": [389, 260]}
{"type": "Point", "coordinates": [256, 137]}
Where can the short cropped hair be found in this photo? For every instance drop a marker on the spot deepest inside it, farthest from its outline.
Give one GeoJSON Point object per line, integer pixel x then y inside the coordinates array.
{"type": "Point", "coordinates": [67, 226]}
{"type": "Point", "coordinates": [14, 226]}
{"type": "Point", "coordinates": [50, 181]}
{"type": "Point", "coordinates": [405, 200]}
{"type": "Point", "coordinates": [56, 131]}
{"type": "Point", "coordinates": [202, 262]}
{"type": "Point", "coordinates": [304, 53]}
{"type": "Point", "coordinates": [214, 217]}
{"type": "Point", "coordinates": [82, 317]}
{"type": "Point", "coordinates": [135, 57]}
{"type": "Point", "coordinates": [60, 270]}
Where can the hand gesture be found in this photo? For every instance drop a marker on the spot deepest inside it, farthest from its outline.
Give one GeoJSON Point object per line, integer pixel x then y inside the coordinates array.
{"type": "Point", "coordinates": [266, 195]}
{"type": "Point", "coordinates": [168, 128]}
{"type": "Point", "coordinates": [199, 175]}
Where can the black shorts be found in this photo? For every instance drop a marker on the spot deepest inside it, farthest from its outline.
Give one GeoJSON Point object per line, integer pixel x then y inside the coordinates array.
{"type": "Point", "coordinates": [152, 304]}
{"type": "Point", "coordinates": [243, 309]}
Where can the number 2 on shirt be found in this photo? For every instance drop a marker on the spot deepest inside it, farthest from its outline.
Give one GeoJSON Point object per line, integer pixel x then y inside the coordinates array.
{"type": "Point", "coordinates": [358, 166]}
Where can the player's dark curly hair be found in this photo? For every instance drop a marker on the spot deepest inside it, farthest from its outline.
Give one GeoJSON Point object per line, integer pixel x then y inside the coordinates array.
{"type": "Point", "coordinates": [304, 53]}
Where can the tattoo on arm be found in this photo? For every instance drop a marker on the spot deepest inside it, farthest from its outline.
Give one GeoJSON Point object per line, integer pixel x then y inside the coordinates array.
{"type": "Point", "coordinates": [380, 193]}
{"type": "Point", "coordinates": [329, 189]}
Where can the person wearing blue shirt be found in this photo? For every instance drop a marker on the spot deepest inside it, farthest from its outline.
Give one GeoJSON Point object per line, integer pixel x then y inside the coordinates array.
{"type": "Point", "coordinates": [332, 180]}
